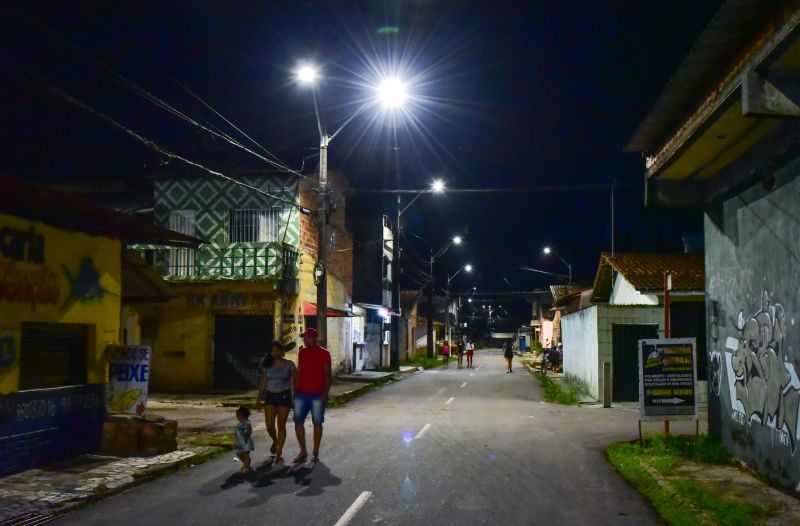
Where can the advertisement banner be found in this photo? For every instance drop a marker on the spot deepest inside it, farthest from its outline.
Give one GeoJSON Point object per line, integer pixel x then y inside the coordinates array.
{"type": "Point", "coordinates": [128, 376]}
{"type": "Point", "coordinates": [668, 379]}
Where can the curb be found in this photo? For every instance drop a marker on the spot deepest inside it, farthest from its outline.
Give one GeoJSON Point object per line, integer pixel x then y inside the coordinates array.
{"type": "Point", "coordinates": [342, 399]}
{"type": "Point", "coordinates": [202, 454]}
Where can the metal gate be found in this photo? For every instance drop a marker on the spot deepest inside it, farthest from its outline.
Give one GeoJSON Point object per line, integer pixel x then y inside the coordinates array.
{"type": "Point", "coordinates": [240, 342]}
{"type": "Point", "coordinates": [625, 346]}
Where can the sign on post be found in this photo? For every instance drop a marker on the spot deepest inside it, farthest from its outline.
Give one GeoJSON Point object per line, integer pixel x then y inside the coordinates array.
{"type": "Point", "coordinates": [668, 379]}
{"type": "Point", "coordinates": [128, 377]}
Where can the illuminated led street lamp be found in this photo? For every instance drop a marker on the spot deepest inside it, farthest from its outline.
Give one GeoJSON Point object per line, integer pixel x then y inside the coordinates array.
{"type": "Point", "coordinates": [392, 92]}
{"type": "Point", "coordinates": [547, 251]}
{"type": "Point", "coordinates": [457, 240]}
{"type": "Point", "coordinates": [438, 186]}
{"type": "Point", "coordinates": [307, 75]}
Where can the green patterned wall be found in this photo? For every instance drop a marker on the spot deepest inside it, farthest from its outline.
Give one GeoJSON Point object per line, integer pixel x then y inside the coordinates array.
{"type": "Point", "coordinates": [211, 199]}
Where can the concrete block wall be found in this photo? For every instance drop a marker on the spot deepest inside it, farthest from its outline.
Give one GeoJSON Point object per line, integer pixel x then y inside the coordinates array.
{"type": "Point", "coordinates": [580, 339]}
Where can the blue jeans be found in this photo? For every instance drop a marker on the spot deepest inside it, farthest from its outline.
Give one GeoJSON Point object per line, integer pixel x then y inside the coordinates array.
{"type": "Point", "coordinates": [309, 403]}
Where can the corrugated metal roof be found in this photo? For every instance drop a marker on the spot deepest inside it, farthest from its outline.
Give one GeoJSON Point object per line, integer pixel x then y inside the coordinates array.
{"type": "Point", "coordinates": [709, 60]}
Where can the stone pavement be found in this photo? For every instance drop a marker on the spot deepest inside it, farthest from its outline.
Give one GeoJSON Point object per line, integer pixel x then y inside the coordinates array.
{"type": "Point", "coordinates": [34, 495]}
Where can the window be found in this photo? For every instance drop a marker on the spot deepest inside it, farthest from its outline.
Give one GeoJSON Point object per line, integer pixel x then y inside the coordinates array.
{"type": "Point", "coordinates": [52, 355]}
{"type": "Point", "coordinates": [255, 226]}
{"type": "Point", "coordinates": [181, 260]}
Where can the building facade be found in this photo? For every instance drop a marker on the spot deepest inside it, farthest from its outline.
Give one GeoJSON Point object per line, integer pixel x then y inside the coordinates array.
{"type": "Point", "coordinates": [249, 283]}
{"type": "Point", "coordinates": [727, 141]}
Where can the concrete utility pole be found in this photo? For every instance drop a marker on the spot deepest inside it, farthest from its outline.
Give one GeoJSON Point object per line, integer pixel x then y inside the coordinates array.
{"type": "Point", "coordinates": [394, 348]}
{"type": "Point", "coordinates": [431, 310]}
{"type": "Point", "coordinates": [322, 249]}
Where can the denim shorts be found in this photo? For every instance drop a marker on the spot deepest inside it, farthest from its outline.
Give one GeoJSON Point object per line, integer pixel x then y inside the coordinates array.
{"type": "Point", "coordinates": [309, 403]}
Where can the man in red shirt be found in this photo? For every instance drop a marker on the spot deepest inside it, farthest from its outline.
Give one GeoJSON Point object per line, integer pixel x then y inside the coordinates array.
{"type": "Point", "coordinates": [312, 383]}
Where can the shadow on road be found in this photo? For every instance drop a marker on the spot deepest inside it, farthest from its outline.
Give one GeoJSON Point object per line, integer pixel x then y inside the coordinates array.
{"type": "Point", "coordinates": [268, 480]}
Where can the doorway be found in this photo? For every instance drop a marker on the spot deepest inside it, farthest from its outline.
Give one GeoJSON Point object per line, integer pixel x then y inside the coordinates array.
{"type": "Point", "coordinates": [625, 351]}
{"type": "Point", "coordinates": [240, 342]}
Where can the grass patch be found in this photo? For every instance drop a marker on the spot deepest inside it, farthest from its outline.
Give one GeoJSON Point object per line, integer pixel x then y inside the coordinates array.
{"type": "Point", "coordinates": [424, 362]}
{"type": "Point", "coordinates": [680, 501]}
{"type": "Point", "coordinates": [555, 393]}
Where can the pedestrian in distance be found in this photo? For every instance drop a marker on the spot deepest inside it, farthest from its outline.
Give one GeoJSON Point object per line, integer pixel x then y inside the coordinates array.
{"type": "Point", "coordinates": [312, 385]}
{"type": "Point", "coordinates": [470, 353]}
{"type": "Point", "coordinates": [446, 353]}
{"type": "Point", "coordinates": [244, 439]}
{"type": "Point", "coordinates": [461, 349]}
{"type": "Point", "coordinates": [508, 353]}
{"type": "Point", "coordinates": [275, 391]}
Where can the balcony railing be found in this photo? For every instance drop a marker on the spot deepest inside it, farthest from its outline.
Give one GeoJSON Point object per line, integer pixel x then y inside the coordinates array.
{"type": "Point", "coordinates": [235, 261]}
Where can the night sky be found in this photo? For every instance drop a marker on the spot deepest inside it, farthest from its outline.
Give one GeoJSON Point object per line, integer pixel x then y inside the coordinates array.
{"type": "Point", "coordinates": [504, 95]}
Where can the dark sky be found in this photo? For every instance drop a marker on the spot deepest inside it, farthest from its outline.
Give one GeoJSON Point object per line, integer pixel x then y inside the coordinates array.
{"type": "Point", "coordinates": [505, 94]}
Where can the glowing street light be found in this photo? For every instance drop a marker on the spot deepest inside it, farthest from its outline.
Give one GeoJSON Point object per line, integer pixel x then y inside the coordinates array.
{"type": "Point", "coordinates": [457, 240]}
{"type": "Point", "coordinates": [307, 75]}
{"type": "Point", "coordinates": [391, 92]}
{"type": "Point", "coordinates": [438, 186]}
{"type": "Point", "coordinates": [547, 251]}
{"type": "Point", "coordinates": [468, 268]}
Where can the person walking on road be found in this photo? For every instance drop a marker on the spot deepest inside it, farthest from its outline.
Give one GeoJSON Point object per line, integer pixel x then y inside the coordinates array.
{"type": "Point", "coordinates": [470, 353]}
{"type": "Point", "coordinates": [312, 384]}
{"type": "Point", "coordinates": [446, 353]}
{"type": "Point", "coordinates": [508, 353]}
{"type": "Point", "coordinates": [244, 439]}
{"type": "Point", "coordinates": [460, 349]}
{"type": "Point", "coordinates": [275, 391]}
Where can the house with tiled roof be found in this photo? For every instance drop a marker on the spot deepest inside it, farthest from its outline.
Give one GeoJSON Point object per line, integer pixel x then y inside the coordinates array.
{"type": "Point", "coordinates": [626, 305]}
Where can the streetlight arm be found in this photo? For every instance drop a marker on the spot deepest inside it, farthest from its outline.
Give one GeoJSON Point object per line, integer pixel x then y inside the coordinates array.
{"type": "Point", "coordinates": [316, 112]}
{"type": "Point", "coordinates": [403, 211]}
{"type": "Point", "coordinates": [358, 112]}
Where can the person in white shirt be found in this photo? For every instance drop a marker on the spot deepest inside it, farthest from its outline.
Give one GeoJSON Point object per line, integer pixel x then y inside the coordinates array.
{"type": "Point", "coordinates": [470, 352]}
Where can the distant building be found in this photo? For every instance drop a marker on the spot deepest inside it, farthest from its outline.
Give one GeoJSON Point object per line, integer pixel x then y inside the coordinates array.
{"type": "Point", "coordinates": [627, 304]}
{"type": "Point", "coordinates": [723, 137]}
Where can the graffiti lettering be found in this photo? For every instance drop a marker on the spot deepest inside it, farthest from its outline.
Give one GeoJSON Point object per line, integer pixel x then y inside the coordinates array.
{"type": "Point", "coordinates": [23, 285]}
{"type": "Point", "coordinates": [36, 409]}
{"type": "Point", "coordinates": [7, 351]}
{"type": "Point", "coordinates": [764, 387]}
{"type": "Point", "coordinates": [714, 356]}
{"type": "Point", "coordinates": [22, 245]}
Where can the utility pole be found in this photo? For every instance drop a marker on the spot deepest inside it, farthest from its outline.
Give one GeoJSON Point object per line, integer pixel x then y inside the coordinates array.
{"type": "Point", "coordinates": [322, 249]}
{"type": "Point", "coordinates": [394, 348]}
{"type": "Point", "coordinates": [447, 311]}
{"type": "Point", "coordinates": [431, 311]}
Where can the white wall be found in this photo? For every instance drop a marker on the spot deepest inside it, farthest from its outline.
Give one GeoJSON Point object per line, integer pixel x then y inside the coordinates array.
{"type": "Point", "coordinates": [623, 293]}
{"type": "Point", "coordinates": [579, 335]}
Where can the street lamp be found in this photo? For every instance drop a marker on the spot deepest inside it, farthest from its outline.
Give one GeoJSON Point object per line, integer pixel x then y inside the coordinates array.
{"type": "Point", "coordinates": [437, 187]}
{"type": "Point", "coordinates": [465, 268]}
{"type": "Point", "coordinates": [547, 251]}
{"type": "Point", "coordinates": [457, 240]}
{"type": "Point", "coordinates": [391, 92]}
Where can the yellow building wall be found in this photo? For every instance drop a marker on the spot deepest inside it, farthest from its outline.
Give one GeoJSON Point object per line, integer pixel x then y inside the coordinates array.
{"type": "Point", "coordinates": [67, 255]}
{"type": "Point", "coordinates": [183, 355]}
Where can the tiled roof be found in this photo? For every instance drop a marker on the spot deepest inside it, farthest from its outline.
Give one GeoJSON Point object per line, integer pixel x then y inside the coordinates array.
{"type": "Point", "coordinates": [564, 292]}
{"type": "Point", "coordinates": [645, 271]}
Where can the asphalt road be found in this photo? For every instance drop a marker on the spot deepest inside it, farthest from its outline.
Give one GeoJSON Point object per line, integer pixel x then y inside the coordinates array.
{"type": "Point", "coordinates": [444, 446]}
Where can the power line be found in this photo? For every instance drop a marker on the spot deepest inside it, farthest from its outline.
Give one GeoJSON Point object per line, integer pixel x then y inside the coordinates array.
{"type": "Point", "coordinates": [522, 189]}
{"type": "Point", "coordinates": [170, 109]}
{"type": "Point", "coordinates": [49, 87]}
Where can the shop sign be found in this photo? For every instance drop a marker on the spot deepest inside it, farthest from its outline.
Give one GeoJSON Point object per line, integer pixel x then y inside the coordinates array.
{"type": "Point", "coordinates": [128, 378]}
{"type": "Point", "coordinates": [667, 379]}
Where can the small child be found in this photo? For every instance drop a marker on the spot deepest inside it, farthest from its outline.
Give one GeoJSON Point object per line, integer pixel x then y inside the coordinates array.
{"type": "Point", "coordinates": [244, 440]}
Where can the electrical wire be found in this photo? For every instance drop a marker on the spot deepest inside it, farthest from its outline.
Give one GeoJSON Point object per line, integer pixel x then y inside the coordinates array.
{"type": "Point", "coordinates": [54, 90]}
{"type": "Point", "coordinates": [174, 111]}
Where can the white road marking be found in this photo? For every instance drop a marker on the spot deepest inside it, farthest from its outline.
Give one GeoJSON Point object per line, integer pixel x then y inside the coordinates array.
{"type": "Point", "coordinates": [449, 400]}
{"type": "Point", "coordinates": [472, 374]}
{"type": "Point", "coordinates": [353, 509]}
{"type": "Point", "coordinates": [440, 391]}
{"type": "Point", "coordinates": [462, 385]}
{"type": "Point", "coordinates": [422, 431]}
{"type": "Point", "coordinates": [479, 367]}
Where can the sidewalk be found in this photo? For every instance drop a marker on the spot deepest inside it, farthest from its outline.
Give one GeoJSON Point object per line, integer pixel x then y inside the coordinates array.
{"type": "Point", "coordinates": [205, 424]}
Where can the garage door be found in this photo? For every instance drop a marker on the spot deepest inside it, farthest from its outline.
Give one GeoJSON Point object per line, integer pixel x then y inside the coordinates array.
{"type": "Point", "coordinates": [240, 342]}
{"type": "Point", "coordinates": [52, 355]}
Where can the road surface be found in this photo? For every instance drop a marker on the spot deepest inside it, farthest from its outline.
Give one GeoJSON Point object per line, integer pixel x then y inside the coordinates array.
{"type": "Point", "coordinates": [445, 446]}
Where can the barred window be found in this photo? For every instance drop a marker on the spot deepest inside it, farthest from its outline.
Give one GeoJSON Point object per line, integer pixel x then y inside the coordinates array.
{"type": "Point", "coordinates": [255, 226]}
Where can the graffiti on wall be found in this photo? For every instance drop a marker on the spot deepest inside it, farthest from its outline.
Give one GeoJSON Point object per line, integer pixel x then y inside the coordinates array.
{"type": "Point", "coordinates": [763, 385]}
{"type": "Point", "coordinates": [22, 245]}
{"type": "Point", "coordinates": [84, 286]}
{"type": "Point", "coordinates": [8, 353]}
{"type": "Point", "coordinates": [18, 284]}
{"type": "Point", "coordinates": [714, 356]}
